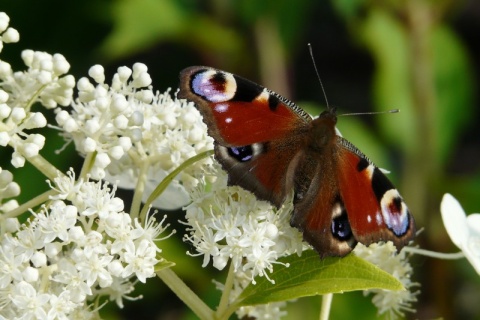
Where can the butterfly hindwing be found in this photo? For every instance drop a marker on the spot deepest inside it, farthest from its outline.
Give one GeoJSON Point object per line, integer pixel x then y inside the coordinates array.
{"type": "Point", "coordinates": [376, 211]}
{"type": "Point", "coordinates": [319, 212]}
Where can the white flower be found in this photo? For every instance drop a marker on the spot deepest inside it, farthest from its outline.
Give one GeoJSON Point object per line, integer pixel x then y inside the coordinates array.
{"type": "Point", "coordinates": [119, 290]}
{"type": "Point", "coordinates": [127, 124]}
{"type": "Point", "coordinates": [8, 189]}
{"type": "Point", "coordinates": [263, 312]}
{"type": "Point", "coordinates": [100, 200]}
{"type": "Point", "coordinates": [229, 223]}
{"type": "Point", "coordinates": [94, 269]}
{"type": "Point", "coordinates": [463, 230]}
{"type": "Point", "coordinates": [151, 229]}
{"type": "Point", "coordinates": [57, 222]}
{"type": "Point", "coordinates": [28, 241]}
{"type": "Point", "coordinates": [385, 256]}
{"type": "Point", "coordinates": [74, 283]}
{"type": "Point", "coordinates": [45, 81]}
{"type": "Point", "coordinates": [82, 247]}
{"type": "Point", "coordinates": [61, 306]}
{"type": "Point", "coordinates": [11, 266]}
{"type": "Point", "coordinates": [66, 186]}
{"type": "Point", "coordinates": [27, 299]}
{"type": "Point", "coordinates": [7, 35]}
{"type": "Point", "coordinates": [141, 261]}
{"type": "Point", "coordinates": [119, 227]}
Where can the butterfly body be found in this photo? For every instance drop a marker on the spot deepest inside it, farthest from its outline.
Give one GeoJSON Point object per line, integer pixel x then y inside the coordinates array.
{"type": "Point", "coordinates": [270, 146]}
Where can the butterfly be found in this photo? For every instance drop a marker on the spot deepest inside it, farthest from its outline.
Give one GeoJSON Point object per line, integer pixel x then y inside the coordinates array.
{"type": "Point", "coordinates": [270, 146]}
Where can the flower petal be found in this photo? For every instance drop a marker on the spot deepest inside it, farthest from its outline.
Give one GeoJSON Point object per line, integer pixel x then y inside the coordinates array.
{"type": "Point", "coordinates": [454, 220]}
{"type": "Point", "coordinates": [472, 252]}
{"type": "Point", "coordinates": [473, 222]}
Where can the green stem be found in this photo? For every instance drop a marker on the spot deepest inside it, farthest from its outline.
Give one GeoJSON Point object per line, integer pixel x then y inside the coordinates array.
{"type": "Point", "coordinates": [87, 165]}
{"type": "Point", "coordinates": [139, 190]}
{"type": "Point", "coordinates": [433, 254]}
{"type": "Point", "coordinates": [45, 167]}
{"type": "Point", "coordinates": [326, 305]}
{"type": "Point", "coordinates": [222, 307]}
{"type": "Point", "coordinates": [39, 162]}
{"type": "Point", "coordinates": [166, 181]}
{"type": "Point", "coordinates": [271, 54]}
{"type": "Point", "coordinates": [185, 294]}
{"type": "Point", "coordinates": [29, 204]}
{"type": "Point", "coordinates": [426, 166]}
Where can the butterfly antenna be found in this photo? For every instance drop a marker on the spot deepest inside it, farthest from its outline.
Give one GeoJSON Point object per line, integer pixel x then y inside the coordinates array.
{"type": "Point", "coordinates": [318, 75]}
{"type": "Point", "coordinates": [373, 112]}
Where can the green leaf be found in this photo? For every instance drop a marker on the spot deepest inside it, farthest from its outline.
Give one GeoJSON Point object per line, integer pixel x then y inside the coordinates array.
{"type": "Point", "coordinates": [454, 88]}
{"type": "Point", "coordinates": [309, 275]}
{"type": "Point", "coordinates": [141, 24]}
{"type": "Point", "coordinates": [387, 40]}
{"type": "Point", "coordinates": [164, 264]}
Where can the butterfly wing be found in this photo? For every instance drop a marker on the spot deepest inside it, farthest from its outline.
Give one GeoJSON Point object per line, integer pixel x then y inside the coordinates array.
{"type": "Point", "coordinates": [375, 209]}
{"type": "Point", "coordinates": [270, 146]}
{"type": "Point", "coordinates": [318, 209]}
{"type": "Point", "coordinates": [347, 200]}
{"type": "Point", "coordinates": [257, 132]}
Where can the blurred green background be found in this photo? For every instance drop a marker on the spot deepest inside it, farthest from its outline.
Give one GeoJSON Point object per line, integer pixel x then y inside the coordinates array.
{"type": "Point", "coordinates": [419, 56]}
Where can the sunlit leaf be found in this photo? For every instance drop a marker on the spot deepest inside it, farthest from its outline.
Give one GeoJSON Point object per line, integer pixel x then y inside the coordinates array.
{"type": "Point", "coordinates": [309, 275]}
{"type": "Point", "coordinates": [144, 23]}
{"type": "Point", "coordinates": [387, 41]}
{"type": "Point", "coordinates": [454, 87]}
{"type": "Point", "coordinates": [140, 24]}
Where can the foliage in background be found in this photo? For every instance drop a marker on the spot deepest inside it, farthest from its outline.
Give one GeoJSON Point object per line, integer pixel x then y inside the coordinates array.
{"type": "Point", "coordinates": [419, 144]}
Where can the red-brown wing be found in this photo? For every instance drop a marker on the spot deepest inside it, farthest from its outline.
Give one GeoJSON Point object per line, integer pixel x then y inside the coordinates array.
{"type": "Point", "coordinates": [347, 200]}
{"type": "Point", "coordinates": [319, 212]}
{"type": "Point", "coordinates": [257, 132]}
{"type": "Point", "coordinates": [239, 112]}
{"type": "Point", "coordinates": [375, 209]}
{"type": "Point", "coordinates": [319, 216]}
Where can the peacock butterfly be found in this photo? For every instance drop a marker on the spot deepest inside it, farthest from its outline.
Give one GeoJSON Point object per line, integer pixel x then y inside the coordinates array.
{"type": "Point", "coordinates": [269, 146]}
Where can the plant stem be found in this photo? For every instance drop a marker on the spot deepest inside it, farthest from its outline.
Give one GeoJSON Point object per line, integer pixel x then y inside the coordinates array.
{"type": "Point", "coordinates": [433, 254]}
{"type": "Point", "coordinates": [87, 165]}
{"type": "Point", "coordinates": [326, 305]}
{"type": "Point", "coordinates": [423, 159]}
{"type": "Point", "coordinates": [138, 194]}
{"type": "Point", "coordinates": [39, 162]}
{"type": "Point", "coordinates": [29, 204]}
{"type": "Point", "coordinates": [185, 294]}
{"type": "Point", "coordinates": [166, 181]}
{"type": "Point", "coordinates": [222, 307]}
{"type": "Point", "coordinates": [271, 55]}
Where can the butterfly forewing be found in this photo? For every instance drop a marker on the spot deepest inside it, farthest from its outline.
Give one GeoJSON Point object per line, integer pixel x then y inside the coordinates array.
{"type": "Point", "coordinates": [239, 112]}
{"type": "Point", "coordinates": [257, 132]}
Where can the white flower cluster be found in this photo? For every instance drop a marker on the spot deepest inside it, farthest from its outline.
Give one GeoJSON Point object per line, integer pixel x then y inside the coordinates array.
{"type": "Point", "coordinates": [385, 256]}
{"type": "Point", "coordinates": [229, 223]}
{"type": "Point", "coordinates": [44, 81]}
{"type": "Point", "coordinates": [132, 130]}
{"type": "Point", "coordinates": [273, 310]}
{"type": "Point", "coordinates": [8, 189]}
{"type": "Point", "coordinates": [80, 247]}
{"type": "Point", "coordinates": [7, 34]}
